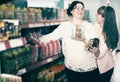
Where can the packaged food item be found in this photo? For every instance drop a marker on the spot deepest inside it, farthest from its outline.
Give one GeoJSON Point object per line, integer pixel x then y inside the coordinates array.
{"type": "Point", "coordinates": [10, 78]}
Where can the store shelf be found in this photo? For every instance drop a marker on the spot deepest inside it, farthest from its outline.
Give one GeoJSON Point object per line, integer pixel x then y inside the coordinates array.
{"type": "Point", "coordinates": [12, 43]}
{"type": "Point", "coordinates": [41, 24]}
{"type": "Point", "coordinates": [36, 65]}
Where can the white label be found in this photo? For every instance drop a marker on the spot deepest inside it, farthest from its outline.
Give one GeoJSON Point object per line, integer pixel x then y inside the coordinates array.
{"type": "Point", "coordinates": [22, 71]}
{"type": "Point", "coordinates": [2, 46]}
{"type": "Point", "coordinates": [31, 25]}
{"type": "Point", "coordinates": [39, 25]}
{"type": "Point", "coordinates": [16, 42]}
{"type": "Point", "coordinates": [52, 23]}
{"type": "Point", "coordinates": [47, 24]}
{"type": "Point", "coordinates": [49, 60]}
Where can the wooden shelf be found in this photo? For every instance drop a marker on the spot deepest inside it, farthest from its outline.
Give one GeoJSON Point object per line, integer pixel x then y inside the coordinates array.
{"type": "Point", "coordinates": [41, 24]}
{"type": "Point", "coordinates": [36, 25]}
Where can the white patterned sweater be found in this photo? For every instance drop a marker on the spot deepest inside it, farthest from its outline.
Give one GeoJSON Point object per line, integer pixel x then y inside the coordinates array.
{"type": "Point", "coordinates": [76, 58]}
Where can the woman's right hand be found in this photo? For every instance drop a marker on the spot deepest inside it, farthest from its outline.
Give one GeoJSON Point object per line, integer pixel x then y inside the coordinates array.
{"type": "Point", "coordinates": [88, 44]}
{"type": "Point", "coordinates": [95, 51]}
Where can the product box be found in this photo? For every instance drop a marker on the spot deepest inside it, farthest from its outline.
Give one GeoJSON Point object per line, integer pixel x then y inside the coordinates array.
{"type": "Point", "coordinates": [19, 15]}
{"type": "Point", "coordinates": [24, 15]}
{"type": "Point", "coordinates": [8, 10]}
{"type": "Point", "coordinates": [38, 15]}
{"type": "Point", "coordinates": [10, 78]}
{"type": "Point", "coordinates": [31, 15]}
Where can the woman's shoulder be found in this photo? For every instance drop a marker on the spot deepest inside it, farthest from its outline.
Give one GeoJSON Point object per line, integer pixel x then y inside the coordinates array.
{"type": "Point", "coordinates": [65, 24]}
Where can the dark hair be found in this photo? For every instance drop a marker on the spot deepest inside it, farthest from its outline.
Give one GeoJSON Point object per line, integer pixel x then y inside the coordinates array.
{"type": "Point", "coordinates": [110, 29]}
{"type": "Point", "coordinates": [101, 11]}
{"type": "Point", "coordinates": [72, 5]}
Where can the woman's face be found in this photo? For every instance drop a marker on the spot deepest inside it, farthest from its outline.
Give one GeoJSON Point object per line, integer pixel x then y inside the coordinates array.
{"type": "Point", "coordinates": [78, 11]}
{"type": "Point", "coordinates": [100, 19]}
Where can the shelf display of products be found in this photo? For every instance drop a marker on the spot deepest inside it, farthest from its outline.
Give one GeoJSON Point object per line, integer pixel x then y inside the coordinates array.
{"type": "Point", "coordinates": [43, 51]}
{"type": "Point", "coordinates": [51, 48]}
{"type": "Point", "coordinates": [15, 59]}
{"type": "Point", "coordinates": [21, 14]}
{"type": "Point", "coordinates": [32, 14]}
{"type": "Point", "coordinates": [50, 72]}
{"type": "Point", "coordinates": [9, 30]}
{"type": "Point", "coordinates": [8, 10]}
{"type": "Point", "coordinates": [54, 73]}
{"type": "Point", "coordinates": [29, 57]}
{"type": "Point", "coordinates": [18, 54]}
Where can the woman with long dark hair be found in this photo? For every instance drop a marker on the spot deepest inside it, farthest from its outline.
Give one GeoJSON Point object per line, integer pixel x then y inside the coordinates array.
{"type": "Point", "coordinates": [109, 37]}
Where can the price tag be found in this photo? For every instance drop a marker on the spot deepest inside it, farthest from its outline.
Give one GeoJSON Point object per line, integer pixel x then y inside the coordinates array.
{"type": "Point", "coordinates": [2, 46]}
{"type": "Point", "coordinates": [56, 23]}
{"type": "Point", "coordinates": [16, 42]}
{"type": "Point", "coordinates": [47, 24]}
{"type": "Point", "coordinates": [31, 25]}
{"type": "Point", "coordinates": [52, 23]}
{"type": "Point", "coordinates": [39, 25]}
{"type": "Point", "coordinates": [49, 60]}
{"type": "Point", "coordinates": [22, 71]}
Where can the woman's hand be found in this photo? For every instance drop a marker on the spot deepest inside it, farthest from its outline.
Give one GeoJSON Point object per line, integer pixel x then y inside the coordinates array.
{"type": "Point", "coordinates": [95, 51]}
{"type": "Point", "coordinates": [88, 44]}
